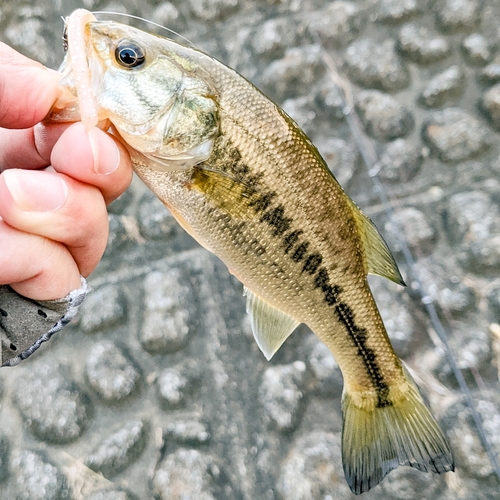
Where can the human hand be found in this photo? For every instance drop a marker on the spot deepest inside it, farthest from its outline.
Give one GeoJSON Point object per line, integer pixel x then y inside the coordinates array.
{"type": "Point", "coordinates": [53, 221]}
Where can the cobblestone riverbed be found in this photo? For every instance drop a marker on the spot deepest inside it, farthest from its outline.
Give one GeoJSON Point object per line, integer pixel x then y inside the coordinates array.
{"type": "Point", "coordinates": [158, 390]}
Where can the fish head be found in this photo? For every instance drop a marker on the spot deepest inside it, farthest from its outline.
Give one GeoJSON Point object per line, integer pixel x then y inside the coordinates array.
{"type": "Point", "coordinates": [154, 91]}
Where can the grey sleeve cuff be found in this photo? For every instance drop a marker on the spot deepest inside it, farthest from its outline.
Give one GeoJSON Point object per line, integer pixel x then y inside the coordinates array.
{"type": "Point", "coordinates": [26, 324]}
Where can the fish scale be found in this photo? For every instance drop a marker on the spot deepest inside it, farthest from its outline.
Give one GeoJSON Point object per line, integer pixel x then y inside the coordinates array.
{"type": "Point", "coordinates": [241, 177]}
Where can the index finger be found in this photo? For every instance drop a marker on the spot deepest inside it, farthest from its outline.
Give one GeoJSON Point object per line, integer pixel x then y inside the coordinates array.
{"type": "Point", "coordinates": [27, 89]}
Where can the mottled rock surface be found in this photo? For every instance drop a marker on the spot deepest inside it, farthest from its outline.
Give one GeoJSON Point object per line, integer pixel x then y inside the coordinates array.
{"type": "Point", "coordinates": [377, 65]}
{"type": "Point", "coordinates": [111, 372]}
{"type": "Point", "coordinates": [446, 87]}
{"type": "Point", "coordinates": [420, 45]}
{"type": "Point", "coordinates": [52, 404]}
{"type": "Point", "coordinates": [456, 135]}
{"type": "Point", "coordinates": [383, 116]}
{"type": "Point", "coordinates": [159, 384]}
{"type": "Point", "coordinates": [118, 449]}
{"type": "Point", "coordinates": [38, 478]}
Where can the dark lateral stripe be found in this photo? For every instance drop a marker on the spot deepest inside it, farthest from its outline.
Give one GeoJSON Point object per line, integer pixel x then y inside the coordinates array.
{"type": "Point", "coordinates": [345, 315]}
{"type": "Point", "coordinates": [300, 252]}
{"type": "Point", "coordinates": [359, 336]}
{"type": "Point", "coordinates": [312, 263]}
{"type": "Point", "coordinates": [262, 203]}
{"type": "Point", "coordinates": [276, 217]}
{"type": "Point", "coordinates": [291, 239]}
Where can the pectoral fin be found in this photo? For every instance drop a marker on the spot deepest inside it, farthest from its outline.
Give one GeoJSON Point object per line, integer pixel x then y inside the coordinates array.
{"type": "Point", "coordinates": [378, 257]}
{"type": "Point", "coordinates": [227, 193]}
{"type": "Point", "coordinates": [270, 326]}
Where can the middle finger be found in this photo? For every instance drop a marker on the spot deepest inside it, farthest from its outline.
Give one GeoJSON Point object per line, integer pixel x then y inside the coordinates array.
{"type": "Point", "coordinates": [59, 208]}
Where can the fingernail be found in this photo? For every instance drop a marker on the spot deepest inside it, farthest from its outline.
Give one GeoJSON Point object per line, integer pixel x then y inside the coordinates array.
{"type": "Point", "coordinates": [35, 191]}
{"type": "Point", "coordinates": [105, 152]}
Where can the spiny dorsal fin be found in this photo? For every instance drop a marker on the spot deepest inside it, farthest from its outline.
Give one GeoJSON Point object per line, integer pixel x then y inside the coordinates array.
{"type": "Point", "coordinates": [378, 257]}
{"type": "Point", "coordinates": [270, 326]}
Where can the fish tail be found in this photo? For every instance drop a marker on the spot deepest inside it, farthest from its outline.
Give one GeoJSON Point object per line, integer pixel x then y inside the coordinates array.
{"type": "Point", "coordinates": [378, 440]}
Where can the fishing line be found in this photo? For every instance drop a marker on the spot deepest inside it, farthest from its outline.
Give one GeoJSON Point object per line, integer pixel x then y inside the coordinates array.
{"type": "Point", "coordinates": [371, 162]}
{"type": "Point", "coordinates": [131, 16]}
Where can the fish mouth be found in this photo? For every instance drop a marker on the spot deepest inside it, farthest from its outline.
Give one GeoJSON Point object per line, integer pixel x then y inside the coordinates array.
{"type": "Point", "coordinates": [81, 74]}
{"type": "Point", "coordinates": [67, 106]}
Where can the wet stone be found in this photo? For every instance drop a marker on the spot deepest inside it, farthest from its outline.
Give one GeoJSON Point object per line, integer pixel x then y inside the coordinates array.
{"type": "Point", "coordinates": [490, 103]}
{"type": "Point", "coordinates": [452, 295]}
{"type": "Point", "coordinates": [404, 483]}
{"type": "Point", "coordinates": [330, 100]}
{"type": "Point", "coordinates": [187, 432]}
{"type": "Point", "coordinates": [494, 304]}
{"type": "Point", "coordinates": [400, 161]}
{"type": "Point", "coordinates": [155, 221]}
{"type": "Point", "coordinates": [340, 156]}
{"type": "Point", "coordinates": [491, 74]}
{"type": "Point", "coordinates": [476, 49]}
{"type": "Point", "coordinates": [422, 46]}
{"type": "Point", "coordinates": [30, 37]}
{"type": "Point", "coordinates": [37, 478]}
{"type": "Point", "coordinates": [412, 225]}
{"type": "Point", "coordinates": [459, 425]}
{"type": "Point", "coordinates": [395, 314]}
{"type": "Point", "coordinates": [119, 449]}
{"type": "Point", "coordinates": [166, 14]}
{"type": "Point", "coordinates": [118, 234]}
{"type": "Point", "coordinates": [312, 469]}
{"type": "Point", "coordinates": [111, 494]}
{"type": "Point", "coordinates": [211, 10]}
{"type": "Point", "coordinates": [190, 474]}
{"type": "Point", "coordinates": [325, 369]}
{"type": "Point", "coordinates": [173, 387]}
{"type": "Point", "coordinates": [104, 308]}
{"type": "Point", "coordinates": [280, 394]}
{"type": "Point", "coordinates": [295, 73]}
{"type": "Point", "coordinates": [4, 458]}
{"type": "Point", "coordinates": [396, 11]}
{"type": "Point", "coordinates": [472, 489]}
{"type": "Point", "coordinates": [376, 64]}
{"type": "Point", "coordinates": [301, 110]}
{"type": "Point", "coordinates": [111, 372]}
{"type": "Point", "coordinates": [456, 297]}
{"type": "Point", "coordinates": [273, 37]}
{"type": "Point", "coordinates": [383, 117]}
{"type": "Point", "coordinates": [121, 204]}
{"type": "Point", "coordinates": [444, 88]}
{"type": "Point", "coordinates": [455, 135]}
{"type": "Point", "coordinates": [472, 352]}
{"type": "Point", "coordinates": [472, 220]}
{"type": "Point", "coordinates": [338, 23]}
{"type": "Point", "coordinates": [455, 15]}
{"type": "Point", "coordinates": [54, 407]}
{"type": "Point", "coordinates": [169, 311]}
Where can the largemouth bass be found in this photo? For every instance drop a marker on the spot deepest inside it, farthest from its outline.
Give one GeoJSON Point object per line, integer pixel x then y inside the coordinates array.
{"type": "Point", "coordinates": [240, 176]}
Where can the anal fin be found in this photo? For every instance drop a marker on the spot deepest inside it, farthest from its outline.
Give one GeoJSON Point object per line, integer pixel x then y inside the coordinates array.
{"type": "Point", "coordinates": [270, 326]}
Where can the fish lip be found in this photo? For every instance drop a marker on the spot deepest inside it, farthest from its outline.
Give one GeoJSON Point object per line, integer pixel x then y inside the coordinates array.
{"type": "Point", "coordinates": [66, 108]}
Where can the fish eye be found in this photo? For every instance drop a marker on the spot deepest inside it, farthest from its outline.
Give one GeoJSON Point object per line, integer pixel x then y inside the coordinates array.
{"type": "Point", "coordinates": [129, 55]}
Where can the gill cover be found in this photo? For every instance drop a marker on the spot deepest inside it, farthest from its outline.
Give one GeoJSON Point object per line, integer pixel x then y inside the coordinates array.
{"type": "Point", "coordinates": [158, 99]}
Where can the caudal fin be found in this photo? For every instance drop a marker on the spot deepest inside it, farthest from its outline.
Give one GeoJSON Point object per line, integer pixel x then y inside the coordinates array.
{"type": "Point", "coordinates": [376, 441]}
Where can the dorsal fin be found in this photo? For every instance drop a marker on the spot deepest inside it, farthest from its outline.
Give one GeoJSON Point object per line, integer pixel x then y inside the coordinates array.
{"type": "Point", "coordinates": [378, 257]}
{"type": "Point", "coordinates": [270, 326]}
